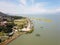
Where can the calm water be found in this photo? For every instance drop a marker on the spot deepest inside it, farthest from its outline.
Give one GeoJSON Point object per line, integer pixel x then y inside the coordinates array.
{"type": "Point", "coordinates": [49, 32]}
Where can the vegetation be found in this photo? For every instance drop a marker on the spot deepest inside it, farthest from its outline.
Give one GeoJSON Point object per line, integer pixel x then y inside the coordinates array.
{"type": "Point", "coordinates": [7, 28]}
{"type": "Point", "coordinates": [1, 33]}
{"type": "Point", "coordinates": [12, 21]}
{"type": "Point", "coordinates": [1, 28]}
{"type": "Point", "coordinates": [0, 40]}
{"type": "Point", "coordinates": [18, 17]}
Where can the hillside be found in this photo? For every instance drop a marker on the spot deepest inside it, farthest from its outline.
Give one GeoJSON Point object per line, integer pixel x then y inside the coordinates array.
{"type": "Point", "coordinates": [9, 17]}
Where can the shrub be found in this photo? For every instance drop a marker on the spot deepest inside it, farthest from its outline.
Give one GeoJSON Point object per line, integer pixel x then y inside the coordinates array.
{"type": "Point", "coordinates": [0, 40]}
{"type": "Point", "coordinates": [1, 28]}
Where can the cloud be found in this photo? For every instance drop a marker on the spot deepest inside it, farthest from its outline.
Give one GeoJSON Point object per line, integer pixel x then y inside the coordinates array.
{"type": "Point", "coordinates": [23, 2]}
{"type": "Point", "coordinates": [58, 9]}
{"type": "Point", "coordinates": [23, 8]}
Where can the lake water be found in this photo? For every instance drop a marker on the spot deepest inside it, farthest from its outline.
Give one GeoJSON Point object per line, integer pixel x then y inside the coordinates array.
{"type": "Point", "coordinates": [49, 32]}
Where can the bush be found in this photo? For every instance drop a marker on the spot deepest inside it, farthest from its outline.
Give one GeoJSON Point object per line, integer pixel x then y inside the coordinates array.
{"type": "Point", "coordinates": [10, 24]}
{"type": "Point", "coordinates": [0, 40]}
{"type": "Point", "coordinates": [1, 28]}
{"type": "Point", "coordinates": [8, 28]}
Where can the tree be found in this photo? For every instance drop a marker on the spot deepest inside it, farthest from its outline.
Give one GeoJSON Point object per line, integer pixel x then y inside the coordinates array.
{"type": "Point", "coordinates": [8, 28]}
{"type": "Point", "coordinates": [1, 28]}
{"type": "Point", "coordinates": [0, 40]}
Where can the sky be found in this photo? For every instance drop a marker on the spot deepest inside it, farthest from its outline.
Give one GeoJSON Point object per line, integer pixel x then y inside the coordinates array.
{"type": "Point", "coordinates": [30, 6]}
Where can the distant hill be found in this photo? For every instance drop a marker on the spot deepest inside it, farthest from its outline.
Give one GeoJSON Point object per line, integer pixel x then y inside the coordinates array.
{"type": "Point", "coordinates": [5, 16]}
{"type": "Point", "coordinates": [9, 17]}
{"type": "Point", "coordinates": [2, 14]}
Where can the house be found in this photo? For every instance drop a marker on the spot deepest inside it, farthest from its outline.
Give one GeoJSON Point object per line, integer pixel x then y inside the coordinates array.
{"type": "Point", "coordinates": [3, 22]}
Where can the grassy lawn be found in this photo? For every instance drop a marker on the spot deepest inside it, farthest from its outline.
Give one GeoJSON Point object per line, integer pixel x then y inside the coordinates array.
{"type": "Point", "coordinates": [1, 33]}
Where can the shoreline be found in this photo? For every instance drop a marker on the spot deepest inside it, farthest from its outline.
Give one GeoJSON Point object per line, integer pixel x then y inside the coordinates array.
{"type": "Point", "coordinates": [12, 38]}
{"type": "Point", "coordinates": [16, 35]}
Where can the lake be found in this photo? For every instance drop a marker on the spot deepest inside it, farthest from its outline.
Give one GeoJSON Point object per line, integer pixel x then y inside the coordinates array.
{"type": "Point", "coordinates": [45, 33]}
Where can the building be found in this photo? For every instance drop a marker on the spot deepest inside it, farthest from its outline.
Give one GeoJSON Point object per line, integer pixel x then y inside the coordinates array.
{"type": "Point", "coordinates": [3, 22]}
